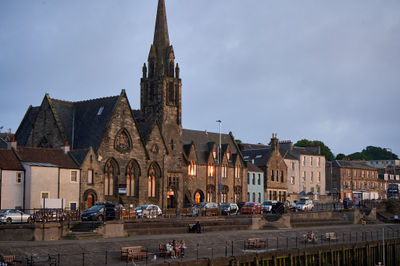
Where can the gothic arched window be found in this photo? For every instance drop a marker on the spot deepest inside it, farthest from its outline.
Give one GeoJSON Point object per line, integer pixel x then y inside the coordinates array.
{"type": "Point", "coordinates": [109, 175]}
{"type": "Point", "coordinates": [153, 176]}
{"type": "Point", "coordinates": [132, 177]}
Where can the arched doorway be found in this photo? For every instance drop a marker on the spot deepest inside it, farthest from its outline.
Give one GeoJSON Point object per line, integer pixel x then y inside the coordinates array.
{"type": "Point", "coordinates": [171, 199]}
{"type": "Point", "coordinates": [90, 198]}
{"type": "Point", "coordinates": [198, 196]}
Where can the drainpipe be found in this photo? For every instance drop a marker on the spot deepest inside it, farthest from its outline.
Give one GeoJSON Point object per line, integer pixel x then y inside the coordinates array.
{"type": "Point", "coordinates": [58, 192]}
{"type": "Point", "coordinates": [1, 180]}
{"type": "Point", "coordinates": [23, 195]}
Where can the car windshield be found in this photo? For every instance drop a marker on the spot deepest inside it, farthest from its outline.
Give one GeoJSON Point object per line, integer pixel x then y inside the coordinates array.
{"type": "Point", "coordinates": [249, 204]}
{"type": "Point", "coordinates": [141, 207]}
{"type": "Point", "coordinates": [267, 203]}
{"type": "Point", "coordinates": [301, 201]}
{"type": "Point", "coordinates": [95, 208]}
{"type": "Point", "coordinates": [225, 205]}
{"type": "Point", "coordinates": [202, 204]}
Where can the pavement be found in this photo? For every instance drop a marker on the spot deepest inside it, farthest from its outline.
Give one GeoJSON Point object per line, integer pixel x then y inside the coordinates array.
{"type": "Point", "coordinates": [204, 245]}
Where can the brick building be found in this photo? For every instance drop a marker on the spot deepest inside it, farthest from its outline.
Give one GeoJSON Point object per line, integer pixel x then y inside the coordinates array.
{"type": "Point", "coordinates": [353, 179]}
{"type": "Point", "coordinates": [138, 156]}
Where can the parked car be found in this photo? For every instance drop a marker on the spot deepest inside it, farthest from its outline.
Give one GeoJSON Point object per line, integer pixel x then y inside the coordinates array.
{"type": "Point", "coordinates": [14, 216]}
{"type": "Point", "coordinates": [229, 208]}
{"type": "Point", "coordinates": [267, 205]}
{"type": "Point", "coordinates": [99, 212]}
{"type": "Point", "coordinates": [148, 211]}
{"type": "Point", "coordinates": [278, 208]}
{"type": "Point", "coordinates": [251, 208]}
{"type": "Point", "coordinates": [305, 204]}
{"type": "Point", "coordinates": [348, 203]}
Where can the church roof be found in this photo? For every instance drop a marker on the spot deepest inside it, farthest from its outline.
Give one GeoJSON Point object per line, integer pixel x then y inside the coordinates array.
{"type": "Point", "coordinates": [79, 155]}
{"type": "Point", "coordinates": [161, 37]}
{"type": "Point", "coordinates": [145, 129]}
{"type": "Point", "coordinates": [24, 129]}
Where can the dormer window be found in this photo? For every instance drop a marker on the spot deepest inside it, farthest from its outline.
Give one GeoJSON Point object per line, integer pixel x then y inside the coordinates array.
{"type": "Point", "coordinates": [211, 170]}
{"type": "Point", "coordinates": [192, 169]}
{"type": "Point", "coordinates": [228, 156]}
{"type": "Point", "coordinates": [215, 154]}
{"type": "Point", "coordinates": [100, 110]}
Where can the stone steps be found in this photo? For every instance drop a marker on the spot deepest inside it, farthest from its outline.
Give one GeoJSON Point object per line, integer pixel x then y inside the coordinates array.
{"type": "Point", "coordinates": [83, 236]}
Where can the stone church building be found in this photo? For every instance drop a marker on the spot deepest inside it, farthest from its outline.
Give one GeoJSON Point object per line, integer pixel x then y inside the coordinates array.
{"type": "Point", "coordinates": [141, 156]}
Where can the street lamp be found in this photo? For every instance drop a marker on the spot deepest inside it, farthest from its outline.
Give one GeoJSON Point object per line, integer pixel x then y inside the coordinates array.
{"type": "Point", "coordinates": [219, 162]}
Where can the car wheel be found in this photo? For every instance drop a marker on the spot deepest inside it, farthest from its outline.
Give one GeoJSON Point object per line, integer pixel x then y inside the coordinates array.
{"type": "Point", "coordinates": [100, 218]}
{"type": "Point", "coordinates": [44, 219]}
{"type": "Point", "coordinates": [9, 220]}
{"type": "Point", "coordinates": [30, 220]}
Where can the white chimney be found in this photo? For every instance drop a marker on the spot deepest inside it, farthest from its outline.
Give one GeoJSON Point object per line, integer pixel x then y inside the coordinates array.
{"type": "Point", "coordinates": [66, 147]}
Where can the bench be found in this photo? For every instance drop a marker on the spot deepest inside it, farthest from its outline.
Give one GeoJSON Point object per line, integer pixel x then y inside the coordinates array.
{"type": "Point", "coordinates": [10, 260]}
{"type": "Point", "coordinates": [211, 212]}
{"type": "Point", "coordinates": [128, 214]}
{"type": "Point", "coordinates": [186, 212]}
{"type": "Point", "coordinates": [133, 253]}
{"type": "Point", "coordinates": [256, 243]}
{"type": "Point", "coordinates": [331, 236]}
{"type": "Point", "coordinates": [170, 213]}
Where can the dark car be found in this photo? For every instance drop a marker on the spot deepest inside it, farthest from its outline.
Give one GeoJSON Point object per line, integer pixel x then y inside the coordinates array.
{"type": "Point", "coordinates": [241, 204]}
{"type": "Point", "coordinates": [100, 212]}
{"type": "Point", "coordinates": [278, 208]}
{"type": "Point", "coordinates": [228, 208]}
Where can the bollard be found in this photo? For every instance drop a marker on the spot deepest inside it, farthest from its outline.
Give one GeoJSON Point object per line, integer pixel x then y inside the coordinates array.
{"type": "Point", "coordinates": [232, 248]}
{"type": "Point", "coordinates": [226, 248]}
{"type": "Point", "coordinates": [197, 251]}
{"type": "Point", "coordinates": [106, 257]}
{"type": "Point", "coordinates": [83, 259]}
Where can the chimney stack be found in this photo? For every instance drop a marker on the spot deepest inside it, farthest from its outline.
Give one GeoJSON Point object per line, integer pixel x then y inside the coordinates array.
{"type": "Point", "coordinates": [12, 143]}
{"type": "Point", "coordinates": [66, 147]}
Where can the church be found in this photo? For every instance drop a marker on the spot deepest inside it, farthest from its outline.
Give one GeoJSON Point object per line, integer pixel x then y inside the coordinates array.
{"type": "Point", "coordinates": [145, 156]}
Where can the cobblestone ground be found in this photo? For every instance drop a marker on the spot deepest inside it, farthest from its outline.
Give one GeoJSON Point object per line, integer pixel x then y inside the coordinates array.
{"type": "Point", "coordinates": [205, 245]}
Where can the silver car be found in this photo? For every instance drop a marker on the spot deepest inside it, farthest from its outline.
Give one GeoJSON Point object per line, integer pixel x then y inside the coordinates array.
{"type": "Point", "coordinates": [14, 216]}
{"type": "Point", "coordinates": [148, 211]}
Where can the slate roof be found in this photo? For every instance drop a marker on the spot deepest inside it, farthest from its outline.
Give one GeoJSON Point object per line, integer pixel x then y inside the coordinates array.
{"type": "Point", "coordinates": [204, 141]}
{"type": "Point", "coordinates": [145, 129]}
{"type": "Point", "coordinates": [79, 155]}
{"type": "Point", "coordinates": [253, 168]}
{"type": "Point", "coordinates": [9, 161]}
{"type": "Point", "coordinates": [353, 164]}
{"type": "Point", "coordinates": [3, 144]}
{"type": "Point", "coordinates": [46, 156]}
{"type": "Point", "coordinates": [78, 119]}
{"type": "Point", "coordinates": [24, 129]}
{"type": "Point", "coordinates": [254, 151]}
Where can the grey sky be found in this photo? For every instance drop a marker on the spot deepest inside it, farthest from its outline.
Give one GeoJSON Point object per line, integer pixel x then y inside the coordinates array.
{"type": "Point", "coordinates": [326, 70]}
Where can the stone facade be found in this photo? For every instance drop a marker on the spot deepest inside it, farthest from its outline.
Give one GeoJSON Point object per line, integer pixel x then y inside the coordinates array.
{"type": "Point", "coordinates": [136, 157]}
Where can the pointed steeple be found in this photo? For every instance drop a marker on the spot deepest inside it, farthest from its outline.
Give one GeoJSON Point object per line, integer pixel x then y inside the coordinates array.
{"type": "Point", "coordinates": [161, 37]}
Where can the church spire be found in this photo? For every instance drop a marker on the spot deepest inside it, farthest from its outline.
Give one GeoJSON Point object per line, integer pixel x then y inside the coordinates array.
{"type": "Point", "coordinates": [161, 37]}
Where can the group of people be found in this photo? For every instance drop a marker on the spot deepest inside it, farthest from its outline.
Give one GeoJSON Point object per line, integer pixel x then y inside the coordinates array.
{"type": "Point", "coordinates": [176, 249]}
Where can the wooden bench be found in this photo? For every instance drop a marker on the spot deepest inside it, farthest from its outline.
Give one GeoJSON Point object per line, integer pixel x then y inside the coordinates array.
{"type": "Point", "coordinates": [331, 236]}
{"type": "Point", "coordinates": [133, 253]}
{"type": "Point", "coordinates": [186, 212]}
{"type": "Point", "coordinates": [256, 243]}
{"type": "Point", "coordinates": [170, 213]}
{"type": "Point", "coordinates": [211, 212]}
{"type": "Point", "coordinates": [128, 214]}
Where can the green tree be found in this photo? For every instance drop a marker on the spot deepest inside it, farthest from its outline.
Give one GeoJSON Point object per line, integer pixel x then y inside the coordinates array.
{"type": "Point", "coordinates": [340, 156]}
{"type": "Point", "coordinates": [357, 156]}
{"type": "Point", "coordinates": [325, 150]}
{"type": "Point", "coordinates": [378, 153]}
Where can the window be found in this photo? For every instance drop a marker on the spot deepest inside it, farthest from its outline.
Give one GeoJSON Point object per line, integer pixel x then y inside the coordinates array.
{"type": "Point", "coordinates": [228, 156]}
{"type": "Point", "coordinates": [45, 195]}
{"type": "Point", "coordinates": [100, 110]}
{"type": "Point", "coordinates": [248, 178]}
{"type": "Point", "coordinates": [293, 166]}
{"type": "Point", "coordinates": [215, 154]}
{"type": "Point", "coordinates": [292, 180]}
{"type": "Point", "coordinates": [210, 170]}
{"type": "Point", "coordinates": [362, 173]}
{"type": "Point", "coordinates": [319, 177]}
{"type": "Point", "coordinates": [311, 161]}
{"type": "Point", "coordinates": [131, 171]}
{"type": "Point", "coordinates": [152, 182]}
{"type": "Point", "coordinates": [259, 179]}
{"type": "Point", "coordinates": [237, 171]}
{"type": "Point", "coordinates": [254, 178]}
{"type": "Point", "coordinates": [270, 195]}
{"type": "Point", "coordinates": [272, 175]}
{"type": "Point", "coordinates": [319, 161]}
{"type": "Point", "coordinates": [19, 178]}
{"type": "Point", "coordinates": [259, 197]}
{"type": "Point", "coordinates": [348, 172]}
{"type": "Point", "coordinates": [192, 169]}
{"type": "Point", "coordinates": [109, 179]}
{"type": "Point", "coordinates": [90, 176]}
{"type": "Point", "coordinates": [254, 196]}
{"type": "Point", "coordinates": [282, 177]}
{"type": "Point", "coordinates": [74, 176]}
{"type": "Point", "coordinates": [223, 171]}
{"type": "Point", "coordinates": [248, 196]}
{"type": "Point", "coordinates": [312, 177]}
{"type": "Point", "coordinates": [304, 160]}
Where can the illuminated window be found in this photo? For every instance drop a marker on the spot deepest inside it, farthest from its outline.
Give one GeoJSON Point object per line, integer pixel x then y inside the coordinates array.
{"type": "Point", "coordinates": [192, 169]}
{"type": "Point", "coordinates": [152, 182]}
{"type": "Point", "coordinates": [223, 171]}
{"type": "Point", "coordinates": [109, 179]}
{"type": "Point", "coordinates": [90, 176]}
{"type": "Point", "coordinates": [19, 178]}
{"type": "Point", "coordinates": [237, 171]}
{"type": "Point", "coordinates": [211, 170]}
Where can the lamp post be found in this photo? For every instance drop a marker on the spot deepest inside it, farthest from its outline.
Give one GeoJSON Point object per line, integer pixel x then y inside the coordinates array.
{"type": "Point", "coordinates": [219, 162]}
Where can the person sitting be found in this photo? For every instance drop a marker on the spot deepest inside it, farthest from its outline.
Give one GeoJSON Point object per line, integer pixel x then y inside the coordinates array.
{"type": "Point", "coordinates": [197, 227]}
{"type": "Point", "coordinates": [170, 250]}
{"type": "Point", "coordinates": [176, 248]}
{"type": "Point", "coordinates": [182, 247]}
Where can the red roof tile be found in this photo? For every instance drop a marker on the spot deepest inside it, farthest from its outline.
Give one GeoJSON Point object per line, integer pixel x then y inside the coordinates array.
{"type": "Point", "coordinates": [8, 160]}
{"type": "Point", "coordinates": [46, 155]}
